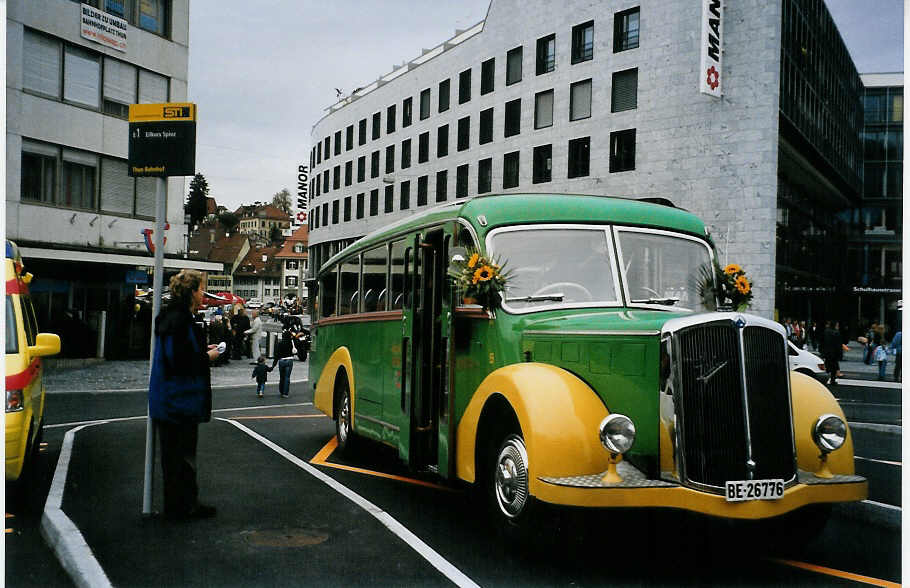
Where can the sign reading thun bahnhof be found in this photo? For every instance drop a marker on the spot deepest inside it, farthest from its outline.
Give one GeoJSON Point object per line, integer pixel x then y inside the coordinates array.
{"type": "Point", "coordinates": [162, 139]}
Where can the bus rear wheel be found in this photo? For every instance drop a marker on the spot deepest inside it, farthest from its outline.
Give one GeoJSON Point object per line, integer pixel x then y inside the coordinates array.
{"type": "Point", "coordinates": [343, 431]}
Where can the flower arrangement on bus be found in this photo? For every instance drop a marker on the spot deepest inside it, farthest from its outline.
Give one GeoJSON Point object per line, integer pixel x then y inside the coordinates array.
{"type": "Point", "coordinates": [729, 286]}
{"type": "Point", "coordinates": [481, 279]}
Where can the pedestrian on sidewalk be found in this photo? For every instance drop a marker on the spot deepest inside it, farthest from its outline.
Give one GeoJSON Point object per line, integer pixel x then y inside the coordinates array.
{"type": "Point", "coordinates": [284, 359]}
{"type": "Point", "coordinates": [255, 334]}
{"type": "Point", "coordinates": [832, 350]}
{"type": "Point", "coordinates": [180, 394]}
{"type": "Point", "coordinates": [880, 356]}
{"type": "Point", "coordinates": [261, 373]}
{"type": "Point", "coordinates": [239, 324]}
{"type": "Point", "coordinates": [896, 351]}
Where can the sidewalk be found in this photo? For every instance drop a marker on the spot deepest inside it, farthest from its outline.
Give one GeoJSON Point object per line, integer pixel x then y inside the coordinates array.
{"type": "Point", "coordinates": [854, 369]}
{"type": "Point", "coordinates": [133, 374]}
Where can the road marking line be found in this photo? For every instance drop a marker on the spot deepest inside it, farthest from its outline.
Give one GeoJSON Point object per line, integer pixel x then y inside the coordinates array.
{"type": "Point", "coordinates": [837, 573]}
{"type": "Point", "coordinates": [324, 453]}
{"type": "Point", "coordinates": [61, 534]}
{"type": "Point", "coordinates": [279, 416]}
{"type": "Point", "coordinates": [133, 418]}
{"type": "Point", "coordinates": [897, 463]}
{"type": "Point", "coordinates": [424, 550]}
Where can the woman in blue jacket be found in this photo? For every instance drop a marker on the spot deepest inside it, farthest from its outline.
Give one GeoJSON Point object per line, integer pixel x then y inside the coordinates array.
{"type": "Point", "coordinates": [180, 394]}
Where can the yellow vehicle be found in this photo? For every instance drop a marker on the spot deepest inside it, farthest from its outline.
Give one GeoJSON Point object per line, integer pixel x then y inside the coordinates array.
{"type": "Point", "coordinates": [25, 347]}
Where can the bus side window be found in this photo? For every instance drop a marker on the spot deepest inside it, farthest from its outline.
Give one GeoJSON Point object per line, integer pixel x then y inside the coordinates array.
{"type": "Point", "coordinates": [327, 293]}
{"type": "Point", "coordinates": [374, 286]}
{"type": "Point", "coordinates": [397, 287]}
{"type": "Point", "coordinates": [349, 294]}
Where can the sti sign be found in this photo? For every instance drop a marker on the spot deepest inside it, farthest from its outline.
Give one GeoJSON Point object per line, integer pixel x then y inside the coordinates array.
{"type": "Point", "coordinates": [162, 140]}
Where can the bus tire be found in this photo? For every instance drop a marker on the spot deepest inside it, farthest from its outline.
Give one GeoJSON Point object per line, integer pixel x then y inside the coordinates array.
{"type": "Point", "coordinates": [343, 430]}
{"type": "Point", "coordinates": [509, 484]}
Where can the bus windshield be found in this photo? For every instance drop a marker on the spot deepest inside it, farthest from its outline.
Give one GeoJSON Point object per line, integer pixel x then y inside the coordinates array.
{"type": "Point", "coordinates": [550, 266]}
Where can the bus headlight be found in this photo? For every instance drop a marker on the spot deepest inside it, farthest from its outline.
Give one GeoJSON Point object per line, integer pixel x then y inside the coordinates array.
{"type": "Point", "coordinates": [829, 432]}
{"type": "Point", "coordinates": [617, 433]}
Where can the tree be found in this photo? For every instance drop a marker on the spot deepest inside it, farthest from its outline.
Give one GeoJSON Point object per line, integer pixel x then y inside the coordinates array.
{"type": "Point", "coordinates": [196, 205]}
{"type": "Point", "coordinates": [229, 221]}
{"type": "Point", "coordinates": [275, 235]}
{"type": "Point", "coordinates": [282, 200]}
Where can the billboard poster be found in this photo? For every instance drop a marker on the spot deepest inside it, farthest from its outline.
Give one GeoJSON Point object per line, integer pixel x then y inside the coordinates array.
{"type": "Point", "coordinates": [303, 200]}
{"type": "Point", "coordinates": [102, 27]}
{"type": "Point", "coordinates": [712, 48]}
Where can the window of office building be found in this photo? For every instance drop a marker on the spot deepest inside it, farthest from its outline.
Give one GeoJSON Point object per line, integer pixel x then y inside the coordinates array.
{"type": "Point", "coordinates": [422, 182]}
{"type": "Point", "coordinates": [461, 181]}
{"type": "Point", "coordinates": [81, 77]}
{"type": "Point", "coordinates": [486, 126]}
{"type": "Point", "coordinates": [583, 42]}
{"type": "Point", "coordinates": [325, 214]}
{"type": "Point", "coordinates": [464, 133]}
{"type": "Point", "coordinates": [327, 152]}
{"type": "Point", "coordinates": [625, 90]}
{"type": "Point", "coordinates": [335, 212]}
{"type": "Point", "coordinates": [443, 95]}
{"type": "Point", "coordinates": [406, 106]}
{"type": "Point", "coordinates": [404, 196]}
{"type": "Point", "coordinates": [39, 176]}
{"type": "Point", "coordinates": [362, 132]}
{"type": "Point", "coordinates": [622, 150]}
{"type": "Point", "coordinates": [117, 188]}
{"type": "Point", "coordinates": [510, 170]}
{"type": "Point", "coordinates": [361, 168]}
{"type": "Point", "coordinates": [425, 104]}
{"type": "Point", "coordinates": [625, 30]}
{"type": "Point", "coordinates": [349, 138]}
{"type": "Point", "coordinates": [513, 118]}
{"type": "Point", "coordinates": [374, 202]}
{"type": "Point", "coordinates": [319, 152]}
{"type": "Point", "coordinates": [406, 154]}
{"type": "Point", "coordinates": [464, 86]}
{"type": "Point", "coordinates": [336, 177]}
{"type": "Point", "coordinates": [487, 76]}
{"type": "Point", "coordinates": [546, 54]}
{"type": "Point", "coordinates": [423, 147]}
{"type": "Point", "coordinates": [543, 109]}
{"type": "Point", "coordinates": [348, 173]}
{"type": "Point", "coordinates": [580, 100]}
{"type": "Point", "coordinates": [347, 208]}
{"type": "Point", "coordinates": [390, 159]}
{"type": "Point", "coordinates": [485, 175]}
{"type": "Point", "coordinates": [325, 181]}
{"type": "Point", "coordinates": [41, 58]}
{"type": "Point", "coordinates": [337, 142]}
{"type": "Point", "coordinates": [389, 198]}
{"type": "Point", "coordinates": [543, 164]}
{"type": "Point", "coordinates": [390, 119]}
{"type": "Point", "coordinates": [374, 164]}
{"type": "Point", "coordinates": [580, 157]}
{"type": "Point", "coordinates": [513, 66]}
{"type": "Point", "coordinates": [442, 141]}
{"type": "Point", "coordinates": [360, 205]}
{"type": "Point", "coordinates": [119, 89]}
{"type": "Point", "coordinates": [442, 185]}
{"type": "Point", "coordinates": [377, 124]}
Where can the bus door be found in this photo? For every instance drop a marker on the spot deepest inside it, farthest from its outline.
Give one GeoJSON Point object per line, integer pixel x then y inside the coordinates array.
{"type": "Point", "coordinates": [425, 378]}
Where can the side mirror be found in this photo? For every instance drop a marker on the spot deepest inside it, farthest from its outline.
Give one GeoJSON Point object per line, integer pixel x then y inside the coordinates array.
{"type": "Point", "coordinates": [45, 344]}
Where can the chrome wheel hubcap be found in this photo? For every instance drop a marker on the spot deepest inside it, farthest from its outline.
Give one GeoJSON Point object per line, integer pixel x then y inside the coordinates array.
{"type": "Point", "coordinates": [343, 420]}
{"type": "Point", "coordinates": [511, 478]}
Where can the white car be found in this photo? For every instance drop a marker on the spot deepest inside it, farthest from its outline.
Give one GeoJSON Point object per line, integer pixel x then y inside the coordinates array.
{"type": "Point", "coordinates": [806, 362]}
{"type": "Point", "coordinates": [254, 303]}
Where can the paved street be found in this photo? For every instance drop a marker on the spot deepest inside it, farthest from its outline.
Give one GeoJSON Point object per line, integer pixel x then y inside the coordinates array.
{"type": "Point", "coordinates": [291, 511]}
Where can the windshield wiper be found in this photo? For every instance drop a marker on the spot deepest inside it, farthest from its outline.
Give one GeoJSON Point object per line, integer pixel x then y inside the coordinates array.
{"type": "Point", "coordinates": [669, 301]}
{"type": "Point", "coordinates": [556, 297]}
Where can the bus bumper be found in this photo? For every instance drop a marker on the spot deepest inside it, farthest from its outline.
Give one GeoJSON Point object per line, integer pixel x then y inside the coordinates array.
{"type": "Point", "coordinates": [637, 491]}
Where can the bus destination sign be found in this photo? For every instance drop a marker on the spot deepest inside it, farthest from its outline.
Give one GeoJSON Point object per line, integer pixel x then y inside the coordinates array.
{"type": "Point", "coordinates": [162, 140]}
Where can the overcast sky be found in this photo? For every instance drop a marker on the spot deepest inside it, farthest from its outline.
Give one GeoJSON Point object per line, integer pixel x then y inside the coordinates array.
{"type": "Point", "coordinates": [263, 73]}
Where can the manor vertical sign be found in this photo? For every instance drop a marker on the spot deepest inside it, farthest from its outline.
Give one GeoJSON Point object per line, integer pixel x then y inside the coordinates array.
{"type": "Point", "coordinates": [712, 48]}
{"type": "Point", "coordinates": [303, 200]}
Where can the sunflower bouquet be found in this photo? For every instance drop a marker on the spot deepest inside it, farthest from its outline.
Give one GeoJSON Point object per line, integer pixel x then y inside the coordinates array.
{"type": "Point", "coordinates": [480, 278]}
{"type": "Point", "coordinates": [726, 287]}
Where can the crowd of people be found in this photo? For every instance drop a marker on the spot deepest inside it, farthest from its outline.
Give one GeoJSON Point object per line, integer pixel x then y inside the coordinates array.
{"type": "Point", "coordinates": [830, 342]}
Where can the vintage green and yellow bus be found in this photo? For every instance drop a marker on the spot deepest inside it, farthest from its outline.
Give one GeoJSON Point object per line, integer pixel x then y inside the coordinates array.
{"type": "Point", "coordinates": [601, 378]}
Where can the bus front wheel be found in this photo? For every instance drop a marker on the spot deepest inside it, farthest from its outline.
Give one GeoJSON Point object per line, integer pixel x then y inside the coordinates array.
{"type": "Point", "coordinates": [509, 481]}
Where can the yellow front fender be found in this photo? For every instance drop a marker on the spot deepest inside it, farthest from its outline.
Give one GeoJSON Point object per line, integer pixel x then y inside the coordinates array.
{"type": "Point", "coordinates": [324, 396]}
{"type": "Point", "coordinates": [811, 400]}
{"type": "Point", "coordinates": [559, 416]}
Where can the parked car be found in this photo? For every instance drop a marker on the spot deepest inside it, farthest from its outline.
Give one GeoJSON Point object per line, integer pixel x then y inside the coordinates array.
{"type": "Point", "coordinates": [806, 362]}
{"type": "Point", "coordinates": [25, 347]}
{"type": "Point", "coordinates": [254, 303]}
